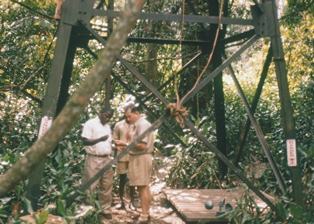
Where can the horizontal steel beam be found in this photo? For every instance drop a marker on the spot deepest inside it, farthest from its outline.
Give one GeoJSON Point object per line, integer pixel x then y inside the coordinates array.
{"type": "Point", "coordinates": [176, 17]}
{"type": "Point", "coordinates": [152, 40]}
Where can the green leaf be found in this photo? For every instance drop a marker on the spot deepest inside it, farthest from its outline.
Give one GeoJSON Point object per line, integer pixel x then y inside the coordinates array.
{"type": "Point", "coordinates": [61, 207]}
{"type": "Point", "coordinates": [70, 145]}
{"type": "Point", "coordinates": [281, 209]}
{"type": "Point", "coordinates": [35, 218]}
{"type": "Point", "coordinates": [28, 205]}
{"type": "Point", "coordinates": [296, 211]}
{"type": "Point", "coordinates": [246, 217]}
{"type": "Point", "coordinates": [37, 23]}
{"type": "Point", "coordinates": [43, 217]}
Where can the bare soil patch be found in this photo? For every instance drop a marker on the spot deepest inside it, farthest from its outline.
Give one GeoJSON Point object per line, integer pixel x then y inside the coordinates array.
{"type": "Point", "coordinates": [161, 211]}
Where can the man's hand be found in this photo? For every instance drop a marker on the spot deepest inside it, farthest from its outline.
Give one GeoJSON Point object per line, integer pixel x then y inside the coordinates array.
{"type": "Point", "coordinates": [104, 138]}
{"type": "Point", "coordinates": [120, 148]}
{"type": "Point", "coordinates": [120, 143]}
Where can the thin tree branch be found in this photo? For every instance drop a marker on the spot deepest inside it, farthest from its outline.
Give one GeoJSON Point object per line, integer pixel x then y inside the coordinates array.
{"type": "Point", "coordinates": [294, 13]}
{"type": "Point", "coordinates": [32, 76]}
{"type": "Point", "coordinates": [17, 89]}
{"type": "Point", "coordinates": [32, 10]}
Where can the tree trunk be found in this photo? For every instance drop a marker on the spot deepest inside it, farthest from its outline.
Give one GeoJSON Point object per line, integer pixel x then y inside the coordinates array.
{"type": "Point", "coordinates": [151, 65]}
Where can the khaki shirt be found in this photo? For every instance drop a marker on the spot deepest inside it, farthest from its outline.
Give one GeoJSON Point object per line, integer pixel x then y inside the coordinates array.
{"type": "Point", "coordinates": [141, 125]}
{"type": "Point", "coordinates": [120, 132]}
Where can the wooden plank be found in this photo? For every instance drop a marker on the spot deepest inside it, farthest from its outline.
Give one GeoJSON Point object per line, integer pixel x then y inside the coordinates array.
{"type": "Point", "coordinates": [191, 202]}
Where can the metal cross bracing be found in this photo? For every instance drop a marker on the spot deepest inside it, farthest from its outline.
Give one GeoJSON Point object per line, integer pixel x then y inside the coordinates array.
{"type": "Point", "coordinates": [75, 31]}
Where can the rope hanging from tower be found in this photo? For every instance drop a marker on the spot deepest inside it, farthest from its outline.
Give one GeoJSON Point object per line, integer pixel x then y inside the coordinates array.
{"type": "Point", "coordinates": [177, 110]}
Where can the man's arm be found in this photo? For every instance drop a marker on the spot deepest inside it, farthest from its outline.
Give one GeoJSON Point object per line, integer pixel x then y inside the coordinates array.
{"type": "Point", "coordinates": [119, 145]}
{"type": "Point", "coordinates": [139, 146]}
{"type": "Point", "coordinates": [89, 142]}
{"type": "Point", "coordinates": [143, 144]}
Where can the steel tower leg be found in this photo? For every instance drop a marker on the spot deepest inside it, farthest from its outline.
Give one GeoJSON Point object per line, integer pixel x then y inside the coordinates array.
{"type": "Point", "coordinates": [55, 97]}
{"type": "Point", "coordinates": [286, 108]}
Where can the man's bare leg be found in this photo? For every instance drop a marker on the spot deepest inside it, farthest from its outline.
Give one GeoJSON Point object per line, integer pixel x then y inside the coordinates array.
{"type": "Point", "coordinates": [146, 198]}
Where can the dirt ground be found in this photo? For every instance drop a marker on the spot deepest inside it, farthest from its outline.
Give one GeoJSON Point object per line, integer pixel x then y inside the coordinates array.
{"type": "Point", "coordinates": [161, 211]}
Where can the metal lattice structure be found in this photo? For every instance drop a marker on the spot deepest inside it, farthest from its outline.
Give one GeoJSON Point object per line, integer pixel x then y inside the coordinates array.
{"type": "Point", "coordinates": [75, 31]}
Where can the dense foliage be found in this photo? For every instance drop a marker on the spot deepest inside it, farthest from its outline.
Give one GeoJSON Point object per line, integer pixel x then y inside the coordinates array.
{"type": "Point", "coordinates": [27, 40]}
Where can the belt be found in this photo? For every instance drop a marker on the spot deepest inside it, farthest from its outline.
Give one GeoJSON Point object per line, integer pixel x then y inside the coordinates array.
{"type": "Point", "coordinates": [101, 156]}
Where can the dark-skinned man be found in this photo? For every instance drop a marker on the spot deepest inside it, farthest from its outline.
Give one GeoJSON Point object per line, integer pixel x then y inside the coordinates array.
{"type": "Point", "coordinates": [96, 137]}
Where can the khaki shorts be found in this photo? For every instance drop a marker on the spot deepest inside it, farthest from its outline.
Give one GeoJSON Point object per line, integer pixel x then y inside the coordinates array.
{"type": "Point", "coordinates": [122, 167]}
{"type": "Point", "coordinates": [140, 169]}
